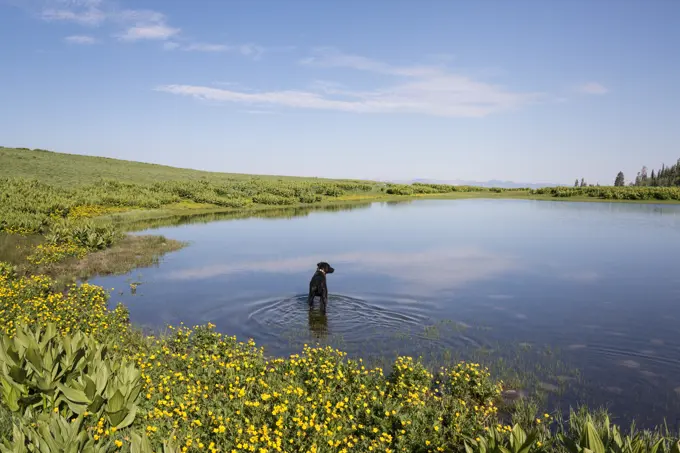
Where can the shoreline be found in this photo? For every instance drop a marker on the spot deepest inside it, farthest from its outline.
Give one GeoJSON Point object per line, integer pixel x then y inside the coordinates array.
{"type": "Point", "coordinates": [135, 251]}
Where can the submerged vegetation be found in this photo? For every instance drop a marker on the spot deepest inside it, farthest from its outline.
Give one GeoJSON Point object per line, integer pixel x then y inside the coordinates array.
{"type": "Point", "coordinates": [82, 379]}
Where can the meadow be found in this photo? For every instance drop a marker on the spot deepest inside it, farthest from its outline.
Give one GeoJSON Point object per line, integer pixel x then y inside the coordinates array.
{"type": "Point", "coordinates": [75, 375]}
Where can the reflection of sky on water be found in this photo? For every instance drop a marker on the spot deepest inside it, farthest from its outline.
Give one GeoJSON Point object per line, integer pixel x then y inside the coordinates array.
{"type": "Point", "coordinates": [597, 280]}
{"type": "Point", "coordinates": [431, 270]}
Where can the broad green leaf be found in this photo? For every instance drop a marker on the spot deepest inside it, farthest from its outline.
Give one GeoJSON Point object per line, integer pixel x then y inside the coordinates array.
{"type": "Point", "coordinates": [90, 388]}
{"type": "Point", "coordinates": [129, 418]}
{"type": "Point", "coordinates": [101, 378]}
{"type": "Point", "coordinates": [96, 404]}
{"type": "Point", "coordinates": [76, 396]}
{"type": "Point", "coordinates": [33, 357]}
{"type": "Point", "coordinates": [591, 440]}
{"type": "Point", "coordinates": [20, 340]}
{"type": "Point", "coordinates": [134, 394]}
{"type": "Point", "coordinates": [12, 398]}
{"type": "Point", "coordinates": [116, 403]}
{"type": "Point", "coordinates": [140, 444]}
{"type": "Point", "coordinates": [118, 417]}
{"type": "Point", "coordinates": [18, 374]}
{"type": "Point", "coordinates": [13, 355]}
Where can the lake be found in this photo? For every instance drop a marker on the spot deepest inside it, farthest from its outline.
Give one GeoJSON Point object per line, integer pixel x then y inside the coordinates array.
{"type": "Point", "coordinates": [577, 301]}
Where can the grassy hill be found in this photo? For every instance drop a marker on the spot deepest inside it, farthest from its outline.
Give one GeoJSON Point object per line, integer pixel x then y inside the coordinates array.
{"type": "Point", "coordinates": [61, 169]}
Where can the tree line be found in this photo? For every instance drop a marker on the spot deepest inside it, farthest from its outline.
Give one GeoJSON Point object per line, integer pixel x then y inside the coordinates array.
{"type": "Point", "coordinates": [663, 177]}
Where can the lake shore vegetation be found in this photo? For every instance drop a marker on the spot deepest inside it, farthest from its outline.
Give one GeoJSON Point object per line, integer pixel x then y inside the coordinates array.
{"type": "Point", "coordinates": [76, 376]}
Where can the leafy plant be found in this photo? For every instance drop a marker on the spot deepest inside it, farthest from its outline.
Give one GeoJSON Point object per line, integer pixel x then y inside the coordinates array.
{"type": "Point", "coordinates": [43, 371]}
{"type": "Point", "coordinates": [514, 440]}
{"type": "Point", "coordinates": [53, 433]}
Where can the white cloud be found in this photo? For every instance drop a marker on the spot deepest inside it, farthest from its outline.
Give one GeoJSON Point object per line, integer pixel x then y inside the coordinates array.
{"type": "Point", "coordinates": [135, 24]}
{"type": "Point", "coordinates": [249, 50]}
{"type": "Point", "coordinates": [427, 90]}
{"type": "Point", "coordinates": [205, 47]}
{"type": "Point", "coordinates": [132, 25]}
{"type": "Point", "coordinates": [150, 31]}
{"type": "Point", "coordinates": [144, 25]}
{"type": "Point", "coordinates": [328, 57]}
{"type": "Point", "coordinates": [90, 16]}
{"type": "Point", "coordinates": [80, 39]}
{"type": "Point", "coordinates": [592, 88]}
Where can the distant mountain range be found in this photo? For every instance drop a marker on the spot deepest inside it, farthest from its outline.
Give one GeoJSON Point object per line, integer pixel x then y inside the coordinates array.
{"type": "Point", "coordinates": [491, 183]}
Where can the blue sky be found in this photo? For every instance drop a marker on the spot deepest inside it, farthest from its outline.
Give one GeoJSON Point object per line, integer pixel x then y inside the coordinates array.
{"type": "Point", "coordinates": [531, 91]}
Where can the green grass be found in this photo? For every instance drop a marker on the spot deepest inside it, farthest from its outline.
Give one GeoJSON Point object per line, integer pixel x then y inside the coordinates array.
{"type": "Point", "coordinates": [66, 170]}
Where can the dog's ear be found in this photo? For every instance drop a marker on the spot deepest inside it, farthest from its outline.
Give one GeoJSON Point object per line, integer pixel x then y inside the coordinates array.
{"type": "Point", "coordinates": [319, 265]}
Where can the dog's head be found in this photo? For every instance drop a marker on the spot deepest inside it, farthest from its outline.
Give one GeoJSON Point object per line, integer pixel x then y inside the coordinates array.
{"type": "Point", "coordinates": [325, 267]}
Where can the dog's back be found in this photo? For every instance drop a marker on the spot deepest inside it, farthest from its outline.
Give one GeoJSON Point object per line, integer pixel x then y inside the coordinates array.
{"type": "Point", "coordinates": [318, 283]}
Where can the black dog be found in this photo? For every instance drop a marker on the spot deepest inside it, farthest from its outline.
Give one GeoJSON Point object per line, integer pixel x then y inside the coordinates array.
{"type": "Point", "coordinates": [317, 286]}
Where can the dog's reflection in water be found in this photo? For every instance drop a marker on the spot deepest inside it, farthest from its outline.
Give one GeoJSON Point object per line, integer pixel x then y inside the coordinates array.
{"type": "Point", "coordinates": [318, 322]}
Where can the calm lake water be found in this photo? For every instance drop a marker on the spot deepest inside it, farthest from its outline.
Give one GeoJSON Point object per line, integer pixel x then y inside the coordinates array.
{"type": "Point", "coordinates": [580, 300]}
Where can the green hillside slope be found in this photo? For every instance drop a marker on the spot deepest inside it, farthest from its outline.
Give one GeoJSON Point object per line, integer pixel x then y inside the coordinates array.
{"type": "Point", "coordinates": [72, 169]}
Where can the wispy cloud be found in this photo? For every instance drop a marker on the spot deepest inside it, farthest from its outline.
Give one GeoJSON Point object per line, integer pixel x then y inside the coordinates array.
{"type": "Point", "coordinates": [592, 88]}
{"type": "Point", "coordinates": [84, 15]}
{"type": "Point", "coordinates": [144, 25]}
{"type": "Point", "coordinates": [150, 31]}
{"type": "Point", "coordinates": [249, 50]}
{"type": "Point", "coordinates": [416, 89]}
{"type": "Point", "coordinates": [80, 39]}
{"type": "Point", "coordinates": [133, 24]}
{"type": "Point", "coordinates": [205, 47]}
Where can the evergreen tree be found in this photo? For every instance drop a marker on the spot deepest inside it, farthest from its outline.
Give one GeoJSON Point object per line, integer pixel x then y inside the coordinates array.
{"type": "Point", "coordinates": [620, 180]}
{"type": "Point", "coordinates": [583, 182]}
{"type": "Point", "coordinates": [576, 183]}
{"type": "Point", "coordinates": [644, 179]}
{"type": "Point", "coordinates": [664, 177]}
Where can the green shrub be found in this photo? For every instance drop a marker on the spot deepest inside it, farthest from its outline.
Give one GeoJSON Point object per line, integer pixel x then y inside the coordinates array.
{"type": "Point", "coordinates": [269, 199]}
{"type": "Point", "coordinates": [72, 375]}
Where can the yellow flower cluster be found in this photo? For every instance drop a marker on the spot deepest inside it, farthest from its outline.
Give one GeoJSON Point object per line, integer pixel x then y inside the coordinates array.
{"type": "Point", "coordinates": [14, 229]}
{"type": "Point", "coordinates": [52, 253]}
{"type": "Point", "coordinates": [30, 300]}
{"type": "Point", "coordinates": [208, 392]}
{"type": "Point", "coordinates": [88, 211]}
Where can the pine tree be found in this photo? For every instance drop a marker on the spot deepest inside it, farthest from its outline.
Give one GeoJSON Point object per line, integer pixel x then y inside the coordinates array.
{"type": "Point", "coordinates": [644, 179]}
{"type": "Point", "coordinates": [620, 180]}
{"type": "Point", "coordinates": [583, 182]}
{"type": "Point", "coordinates": [576, 183]}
